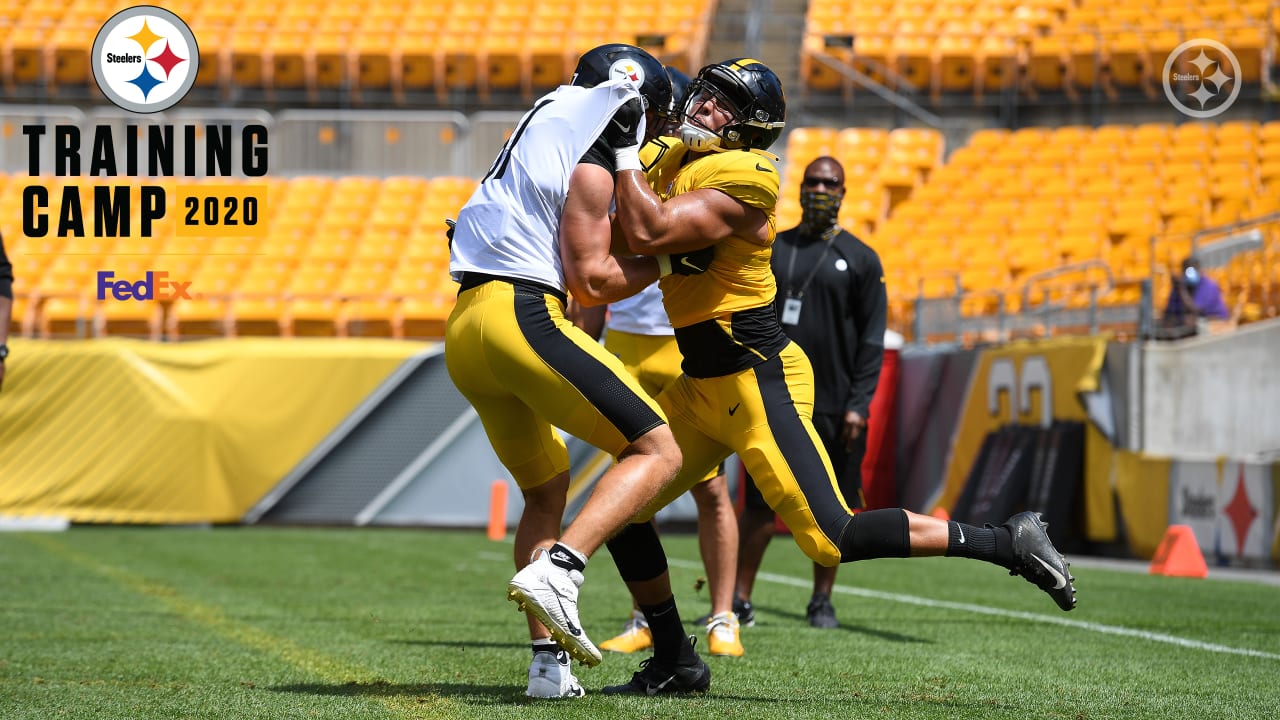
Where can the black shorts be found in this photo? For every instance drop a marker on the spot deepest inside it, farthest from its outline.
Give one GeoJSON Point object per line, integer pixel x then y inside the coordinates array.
{"type": "Point", "coordinates": [847, 465]}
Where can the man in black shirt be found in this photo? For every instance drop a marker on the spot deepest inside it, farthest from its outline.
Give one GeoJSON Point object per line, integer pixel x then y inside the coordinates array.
{"type": "Point", "coordinates": [831, 301]}
{"type": "Point", "coordinates": [6, 306]}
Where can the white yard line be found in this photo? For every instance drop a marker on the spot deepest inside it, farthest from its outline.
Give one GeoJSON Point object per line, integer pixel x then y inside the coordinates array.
{"type": "Point", "coordinates": [807, 583]}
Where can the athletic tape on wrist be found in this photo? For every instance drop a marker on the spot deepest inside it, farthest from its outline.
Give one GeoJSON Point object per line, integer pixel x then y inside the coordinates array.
{"type": "Point", "coordinates": [628, 158]}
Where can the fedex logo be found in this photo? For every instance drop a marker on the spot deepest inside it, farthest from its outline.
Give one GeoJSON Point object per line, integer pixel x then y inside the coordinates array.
{"type": "Point", "coordinates": [155, 286]}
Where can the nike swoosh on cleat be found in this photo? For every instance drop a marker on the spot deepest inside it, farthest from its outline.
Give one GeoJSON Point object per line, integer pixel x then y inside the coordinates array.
{"type": "Point", "coordinates": [578, 631]}
{"type": "Point", "coordinates": [761, 168]}
{"type": "Point", "coordinates": [1061, 581]}
{"type": "Point", "coordinates": [655, 689]}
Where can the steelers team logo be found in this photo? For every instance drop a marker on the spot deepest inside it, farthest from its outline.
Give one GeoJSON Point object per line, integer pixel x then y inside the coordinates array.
{"type": "Point", "coordinates": [628, 69]}
{"type": "Point", "coordinates": [145, 59]}
{"type": "Point", "coordinates": [1202, 78]}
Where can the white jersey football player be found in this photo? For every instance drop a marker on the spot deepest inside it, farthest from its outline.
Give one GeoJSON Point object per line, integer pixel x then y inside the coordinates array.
{"type": "Point", "coordinates": [537, 226]}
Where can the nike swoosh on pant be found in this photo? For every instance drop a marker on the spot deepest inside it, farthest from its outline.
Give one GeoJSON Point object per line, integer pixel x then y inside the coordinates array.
{"type": "Point", "coordinates": [1057, 576]}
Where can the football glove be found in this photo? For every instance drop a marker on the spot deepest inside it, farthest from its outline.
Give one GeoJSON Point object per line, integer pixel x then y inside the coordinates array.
{"type": "Point", "coordinates": [694, 262]}
{"type": "Point", "coordinates": [625, 133]}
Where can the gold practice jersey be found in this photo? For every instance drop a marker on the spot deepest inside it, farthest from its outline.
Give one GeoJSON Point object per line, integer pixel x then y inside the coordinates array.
{"type": "Point", "coordinates": [739, 278]}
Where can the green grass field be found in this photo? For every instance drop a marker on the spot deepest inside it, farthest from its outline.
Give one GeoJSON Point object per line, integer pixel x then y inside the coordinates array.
{"type": "Point", "coordinates": [134, 623]}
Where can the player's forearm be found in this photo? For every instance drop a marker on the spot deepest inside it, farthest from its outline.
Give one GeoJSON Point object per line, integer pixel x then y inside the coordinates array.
{"type": "Point", "coordinates": [612, 278]}
{"type": "Point", "coordinates": [640, 213]}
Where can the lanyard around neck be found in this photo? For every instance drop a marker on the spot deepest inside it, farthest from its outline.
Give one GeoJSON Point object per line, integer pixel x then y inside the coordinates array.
{"type": "Point", "coordinates": [830, 237]}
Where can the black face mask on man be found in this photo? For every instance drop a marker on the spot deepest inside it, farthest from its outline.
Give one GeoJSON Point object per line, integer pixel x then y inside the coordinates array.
{"type": "Point", "coordinates": [820, 211]}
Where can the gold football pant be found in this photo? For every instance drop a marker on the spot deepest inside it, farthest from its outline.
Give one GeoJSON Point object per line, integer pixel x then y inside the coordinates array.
{"type": "Point", "coordinates": [654, 360]}
{"type": "Point", "coordinates": [762, 414]}
{"type": "Point", "coordinates": [527, 370]}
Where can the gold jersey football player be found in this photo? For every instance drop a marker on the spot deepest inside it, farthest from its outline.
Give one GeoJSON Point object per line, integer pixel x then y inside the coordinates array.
{"type": "Point", "coordinates": [746, 388]}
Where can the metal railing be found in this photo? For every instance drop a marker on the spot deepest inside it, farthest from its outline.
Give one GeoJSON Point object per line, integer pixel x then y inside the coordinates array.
{"type": "Point", "coordinates": [936, 318]}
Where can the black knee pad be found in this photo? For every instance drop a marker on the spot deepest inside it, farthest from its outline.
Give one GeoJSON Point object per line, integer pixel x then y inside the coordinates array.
{"type": "Point", "coordinates": [638, 553]}
{"type": "Point", "coordinates": [876, 534]}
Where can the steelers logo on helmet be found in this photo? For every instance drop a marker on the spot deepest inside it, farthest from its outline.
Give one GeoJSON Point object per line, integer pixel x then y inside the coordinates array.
{"type": "Point", "coordinates": [629, 70]}
{"type": "Point", "coordinates": [145, 59]}
{"type": "Point", "coordinates": [615, 61]}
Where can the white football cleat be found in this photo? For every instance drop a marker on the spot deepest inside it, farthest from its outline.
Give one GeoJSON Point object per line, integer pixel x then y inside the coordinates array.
{"type": "Point", "coordinates": [550, 593]}
{"type": "Point", "coordinates": [551, 677]}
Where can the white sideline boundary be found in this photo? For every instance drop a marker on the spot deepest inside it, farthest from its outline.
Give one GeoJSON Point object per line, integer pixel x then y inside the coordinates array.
{"type": "Point", "coordinates": [807, 584]}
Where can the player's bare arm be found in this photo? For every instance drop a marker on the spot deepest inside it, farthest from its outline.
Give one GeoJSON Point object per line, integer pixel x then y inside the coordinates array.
{"type": "Point", "coordinates": [687, 222]}
{"type": "Point", "coordinates": [593, 275]}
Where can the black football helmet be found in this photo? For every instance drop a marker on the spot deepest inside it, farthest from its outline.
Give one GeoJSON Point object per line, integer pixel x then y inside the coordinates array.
{"type": "Point", "coordinates": [750, 91]}
{"type": "Point", "coordinates": [608, 62]}
{"type": "Point", "coordinates": [679, 84]}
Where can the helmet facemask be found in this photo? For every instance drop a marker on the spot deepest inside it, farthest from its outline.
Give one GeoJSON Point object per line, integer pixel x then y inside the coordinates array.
{"type": "Point", "coordinates": [694, 133]}
{"type": "Point", "coordinates": [742, 90]}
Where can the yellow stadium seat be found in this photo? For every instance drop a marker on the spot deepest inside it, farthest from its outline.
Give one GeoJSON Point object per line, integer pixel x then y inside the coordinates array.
{"type": "Point", "coordinates": [129, 317]}
{"type": "Point", "coordinates": [456, 62]}
{"type": "Point", "coordinates": [913, 56]}
{"type": "Point", "coordinates": [69, 46]}
{"type": "Point", "coordinates": [1250, 45]}
{"type": "Point", "coordinates": [313, 317]}
{"type": "Point", "coordinates": [812, 142]}
{"type": "Point", "coordinates": [501, 64]}
{"type": "Point", "coordinates": [66, 316]}
{"type": "Point", "coordinates": [370, 59]}
{"type": "Point", "coordinates": [998, 63]}
{"type": "Point", "coordinates": [413, 64]}
{"type": "Point", "coordinates": [862, 142]}
{"type": "Point", "coordinates": [242, 58]}
{"type": "Point", "coordinates": [816, 74]}
{"type": "Point", "coordinates": [873, 52]}
{"type": "Point", "coordinates": [549, 63]}
{"type": "Point", "coordinates": [1086, 59]}
{"type": "Point", "coordinates": [367, 311]}
{"type": "Point", "coordinates": [24, 54]}
{"type": "Point", "coordinates": [1160, 42]}
{"type": "Point", "coordinates": [326, 60]}
{"type": "Point", "coordinates": [988, 139]}
{"type": "Point", "coordinates": [1048, 62]}
{"type": "Point", "coordinates": [1126, 58]}
{"type": "Point", "coordinates": [1269, 174]}
{"type": "Point", "coordinates": [284, 61]}
{"type": "Point", "coordinates": [955, 65]}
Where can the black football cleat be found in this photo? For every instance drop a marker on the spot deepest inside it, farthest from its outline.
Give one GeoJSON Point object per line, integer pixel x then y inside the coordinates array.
{"type": "Point", "coordinates": [658, 678]}
{"type": "Point", "coordinates": [1036, 559]}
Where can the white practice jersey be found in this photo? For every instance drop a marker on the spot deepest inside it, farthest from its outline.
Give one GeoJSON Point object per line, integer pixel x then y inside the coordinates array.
{"type": "Point", "coordinates": [641, 314]}
{"type": "Point", "coordinates": [510, 227]}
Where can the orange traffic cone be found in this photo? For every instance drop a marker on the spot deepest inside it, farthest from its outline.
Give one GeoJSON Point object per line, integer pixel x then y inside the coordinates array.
{"type": "Point", "coordinates": [498, 510]}
{"type": "Point", "coordinates": [1179, 554]}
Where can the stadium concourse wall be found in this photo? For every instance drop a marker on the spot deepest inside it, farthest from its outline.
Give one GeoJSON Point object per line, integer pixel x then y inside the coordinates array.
{"type": "Point", "coordinates": [127, 431]}
{"type": "Point", "coordinates": [1060, 425]}
{"type": "Point", "coordinates": [372, 432]}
